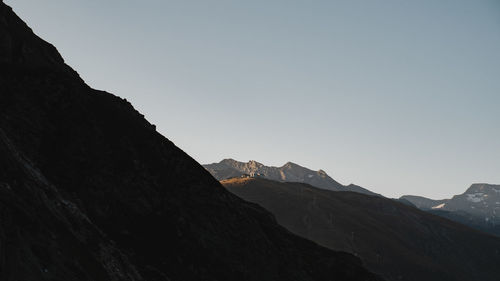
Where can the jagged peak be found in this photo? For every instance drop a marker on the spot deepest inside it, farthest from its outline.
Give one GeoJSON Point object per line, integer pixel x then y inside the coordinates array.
{"type": "Point", "coordinates": [292, 165]}
{"type": "Point", "coordinates": [232, 163]}
{"type": "Point", "coordinates": [228, 160]}
{"type": "Point", "coordinates": [253, 163]}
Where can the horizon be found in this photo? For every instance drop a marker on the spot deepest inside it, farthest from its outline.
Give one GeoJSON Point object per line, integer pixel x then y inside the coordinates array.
{"type": "Point", "coordinates": [346, 184]}
{"type": "Point", "coordinates": [407, 108]}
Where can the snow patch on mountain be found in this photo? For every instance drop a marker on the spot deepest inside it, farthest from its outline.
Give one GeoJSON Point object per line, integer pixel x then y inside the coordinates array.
{"type": "Point", "coordinates": [440, 206]}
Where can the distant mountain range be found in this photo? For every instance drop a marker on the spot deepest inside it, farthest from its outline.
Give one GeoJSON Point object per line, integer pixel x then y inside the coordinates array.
{"type": "Point", "coordinates": [478, 207]}
{"type": "Point", "coordinates": [398, 241]}
{"type": "Point", "coordinates": [290, 172]}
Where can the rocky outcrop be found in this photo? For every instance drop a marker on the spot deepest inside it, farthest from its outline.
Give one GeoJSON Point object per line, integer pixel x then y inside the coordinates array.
{"type": "Point", "coordinates": [290, 172]}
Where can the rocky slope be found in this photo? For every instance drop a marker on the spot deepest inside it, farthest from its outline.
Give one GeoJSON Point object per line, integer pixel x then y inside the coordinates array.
{"type": "Point", "coordinates": [478, 207]}
{"type": "Point", "coordinates": [395, 240]}
{"type": "Point", "coordinates": [90, 191]}
{"type": "Point", "coordinates": [290, 172]}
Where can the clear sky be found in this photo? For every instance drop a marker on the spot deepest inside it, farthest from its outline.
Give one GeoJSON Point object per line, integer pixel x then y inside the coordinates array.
{"type": "Point", "coordinates": [401, 97]}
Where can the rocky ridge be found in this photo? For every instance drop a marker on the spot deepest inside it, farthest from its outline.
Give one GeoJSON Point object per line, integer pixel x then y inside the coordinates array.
{"type": "Point", "coordinates": [290, 172]}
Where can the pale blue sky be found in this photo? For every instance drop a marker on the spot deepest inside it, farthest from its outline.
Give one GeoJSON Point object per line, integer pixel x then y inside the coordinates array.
{"type": "Point", "coordinates": [401, 97]}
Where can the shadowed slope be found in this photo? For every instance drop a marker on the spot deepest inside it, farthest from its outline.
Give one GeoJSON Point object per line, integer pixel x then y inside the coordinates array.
{"type": "Point", "coordinates": [398, 241]}
{"type": "Point", "coordinates": [90, 191]}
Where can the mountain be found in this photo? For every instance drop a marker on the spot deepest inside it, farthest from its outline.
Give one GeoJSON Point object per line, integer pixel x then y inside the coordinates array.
{"type": "Point", "coordinates": [290, 172]}
{"type": "Point", "coordinates": [90, 191]}
{"type": "Point", "coordinates": [478, 207]}
{"type": "Point", "coordinates": [398, 241]}
{"type": "Point", "coordinates": [474, 221]}
{"type": "Point", "coordinates": [424, 203]}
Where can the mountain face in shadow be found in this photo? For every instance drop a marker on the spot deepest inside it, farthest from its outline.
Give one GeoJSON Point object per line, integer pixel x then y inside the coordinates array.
{"type": "Point", "coordinates": [477, 207]}
{"type": "Point", "coordinates": [90, 191]}
{"type": "Point", "coordinates": [398, 241]}
{"type": "Point", "coordinates": [290, 172]}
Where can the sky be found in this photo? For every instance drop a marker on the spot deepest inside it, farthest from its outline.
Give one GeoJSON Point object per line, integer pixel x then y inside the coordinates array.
{"type": "Point", "coordinates": [400, 97]}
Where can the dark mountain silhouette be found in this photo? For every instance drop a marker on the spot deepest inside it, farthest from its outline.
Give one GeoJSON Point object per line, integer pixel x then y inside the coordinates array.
{"type": "Point", "coordinates": [90, 191]}
{"type": "Point", "coordinates": [477, 207]}
{"type": "Point", "coordinates": [290, 172]}
{"type": "Point", "coordinates": [398, 241]}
